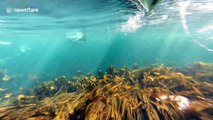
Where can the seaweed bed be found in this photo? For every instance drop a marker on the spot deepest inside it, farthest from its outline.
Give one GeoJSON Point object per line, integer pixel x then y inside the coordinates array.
{"type": "Point", "coordinates": [149, 93]}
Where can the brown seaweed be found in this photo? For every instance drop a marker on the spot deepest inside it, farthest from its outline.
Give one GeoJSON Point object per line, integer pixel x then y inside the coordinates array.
{"type": "Point", "coordinates": [150, 93]}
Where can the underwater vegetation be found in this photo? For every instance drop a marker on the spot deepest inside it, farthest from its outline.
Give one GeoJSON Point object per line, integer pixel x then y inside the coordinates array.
{"type": "Point", "coordinates": [148, 93]}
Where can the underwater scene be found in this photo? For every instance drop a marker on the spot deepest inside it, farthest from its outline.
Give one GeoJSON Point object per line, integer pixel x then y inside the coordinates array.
{"type": "Point", "coordinates": [106, 59]}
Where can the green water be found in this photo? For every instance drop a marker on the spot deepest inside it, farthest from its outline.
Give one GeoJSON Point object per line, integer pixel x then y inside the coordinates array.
{"type": "Point", "coordinates": [66, 36]}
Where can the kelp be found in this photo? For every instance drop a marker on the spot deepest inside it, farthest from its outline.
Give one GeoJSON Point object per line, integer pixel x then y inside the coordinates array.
{"type": "Point", "coordinates": [53, 87]}
{"type": "Point", "coordinates": [5, 94]}
{"type": "Point", "coordinates": [200, 71]}
{"type": "Point", "coordinates": [150, 93]}
{"type": "Point", "coordinates": [132, 103]}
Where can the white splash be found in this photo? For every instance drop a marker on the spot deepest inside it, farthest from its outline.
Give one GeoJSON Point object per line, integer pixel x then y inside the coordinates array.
{"type": "Point", "coordinates": [204, 7]}
{"type": "Point", "coordinates": [159, 20]}
{"type": "Point", "coordinates": [205, 29]}
{"type": "Point", "coordinates": [133, 23]}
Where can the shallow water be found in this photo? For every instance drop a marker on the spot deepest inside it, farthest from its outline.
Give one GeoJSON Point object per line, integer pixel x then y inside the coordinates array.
{"type": "Point", "coordinates": [64, 37]}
